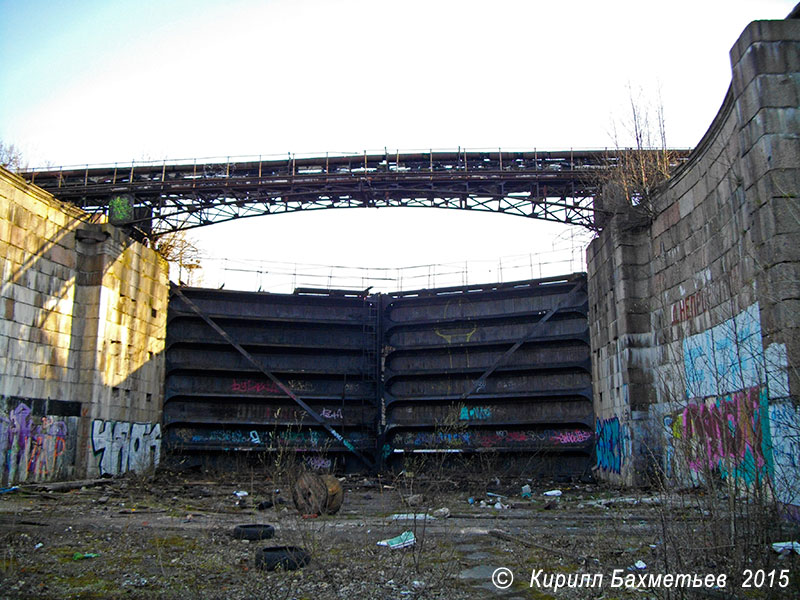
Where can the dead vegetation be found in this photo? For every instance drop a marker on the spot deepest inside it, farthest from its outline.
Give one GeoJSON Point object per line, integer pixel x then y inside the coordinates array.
{"type": "Point", "coordinates": [170, 537]}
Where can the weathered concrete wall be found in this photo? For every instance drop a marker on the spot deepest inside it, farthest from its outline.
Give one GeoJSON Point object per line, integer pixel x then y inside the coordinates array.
{"type": "Point", "coordinates": [695, 316]}
{"type": "Point", "coordinates": [82, 337]}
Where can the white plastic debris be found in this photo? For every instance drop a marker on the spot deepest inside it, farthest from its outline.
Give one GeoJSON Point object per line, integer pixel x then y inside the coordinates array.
{"type": "Point", "coordinates": [500, 506]}
{"type": "Point", "coordinates": [412, 517]}
{"type": "Point", "coordinates": [526, 491]}
{"type": "Point", "coordinates": [442, 513]}
{"type": "Point", "coordinates": [639, 564]}
{"type": "Point", "coordinates": [403, 540]}
{"type": "Point", "coordinates": [240, 494]}
{"type": "Point", "coordinates": [786, 547]}
{"type": "Point", "coordinates": [553, 493]}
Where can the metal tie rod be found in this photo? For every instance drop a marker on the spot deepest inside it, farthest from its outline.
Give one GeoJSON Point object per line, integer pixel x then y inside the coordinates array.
{"type": "Point", "coordinates": [480, 381]}
{"type": "Point", "coordinates": [251, 359]}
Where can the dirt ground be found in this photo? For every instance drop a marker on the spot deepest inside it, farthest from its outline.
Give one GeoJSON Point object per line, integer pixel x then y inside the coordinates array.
{"type": "Point", "coordinates": [170, 536]}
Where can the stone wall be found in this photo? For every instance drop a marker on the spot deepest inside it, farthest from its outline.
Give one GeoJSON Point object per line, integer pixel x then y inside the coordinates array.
{"type": "Point", "coordinates": [694, 314]}
{"type": "Point", "coordinates": [82, 338]}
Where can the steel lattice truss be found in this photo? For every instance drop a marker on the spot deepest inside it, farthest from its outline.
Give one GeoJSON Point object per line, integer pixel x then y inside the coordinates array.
{"type": "Point", "coordinates": [165, 197]}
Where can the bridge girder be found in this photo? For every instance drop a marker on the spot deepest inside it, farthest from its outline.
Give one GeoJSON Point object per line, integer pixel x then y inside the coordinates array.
{"type": "Point", "coordinates": [160, 198]}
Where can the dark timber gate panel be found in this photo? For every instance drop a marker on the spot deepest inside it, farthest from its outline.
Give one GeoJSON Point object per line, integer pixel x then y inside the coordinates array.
{"type": "Point", "coordinates": [535, 405]}
{"type": "Point", "coordinates": [501, 369]}
{"type": "Point", "coordinates": [322, 347]}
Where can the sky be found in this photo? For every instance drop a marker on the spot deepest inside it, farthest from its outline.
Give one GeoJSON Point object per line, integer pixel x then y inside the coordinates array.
{"type": "Point", "coordinates": [100, 81]}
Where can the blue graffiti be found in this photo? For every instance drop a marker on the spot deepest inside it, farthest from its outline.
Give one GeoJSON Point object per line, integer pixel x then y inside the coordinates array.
{"type": "Point", "coordinates": [479, 413]}
{"type": "Point", "coordinates": [610, 444]}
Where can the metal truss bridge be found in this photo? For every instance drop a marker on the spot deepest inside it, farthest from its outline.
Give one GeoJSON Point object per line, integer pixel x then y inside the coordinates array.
{"type": "Point", "coordinates": [160, 197]}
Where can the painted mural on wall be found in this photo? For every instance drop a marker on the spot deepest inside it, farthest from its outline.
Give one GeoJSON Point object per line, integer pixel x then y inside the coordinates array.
{"type": "Point", "coordinates": [32, 448]}
{"type": "Point", "coordinates": [612, 444]}
{"type": "Point", "coordinates": [120, 446]}
{"type": "Point", "coordinates": [737, 419]}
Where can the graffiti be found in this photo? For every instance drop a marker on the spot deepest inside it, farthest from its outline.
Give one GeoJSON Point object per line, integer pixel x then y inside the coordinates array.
{"type": "Point", "coordinates": [249, 386]}
{"type": "Point", "coordinates": [461, 334]}
{"type": "Point", "coordinates": [729, 433]}
{"type": "Point", "coordinates": [319, 463]}
{"type": "Point", "coordinates": [326, 413]}
{"type": "Point", "coordinates": [30, 448]}
{"type": "Point", "coordinates": [612, 446]}
{"type": "Point", "coordinates": [121, 446]}
{"type": "Point", "coordinates": [492, 439]}
{"type": "Point", "coordinates": [726, 358]}
{"type": "Point", "coordinates": [572, 437]}
{"type": "Point", "coordinates": [269, 439]}
{"type": "Point", "coordinates": [688, 308]}
{"type": "Point", "coordinates": [784, 420]}
{"type": "Point", "coordinates": [478, 413]}
{"type": "Point", "coordinates": [299, 385]}
{"type": "Point", "coordinates": [737, 423]}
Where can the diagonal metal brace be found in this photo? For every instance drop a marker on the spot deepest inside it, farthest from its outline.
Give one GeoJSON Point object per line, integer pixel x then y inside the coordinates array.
{"type": "Point", "coordinates": [251, 359]}
{"type": "Point", "coordinates": [481, 381]}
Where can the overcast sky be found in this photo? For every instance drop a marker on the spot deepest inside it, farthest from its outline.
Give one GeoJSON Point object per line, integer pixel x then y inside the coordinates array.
{"type": "Point", "coordinates": [96, 81]}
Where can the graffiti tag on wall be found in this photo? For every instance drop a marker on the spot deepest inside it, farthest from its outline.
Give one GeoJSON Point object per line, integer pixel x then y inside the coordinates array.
{"type": "Point", "coordinates": [492, 439]}
{"type": "Point", "coordinates": [612, 445]}
{"type": "Point", "coordinates": [30, 448]}
{"type": "Point", "coordinates": [728, 433]}
{"type": "Point", "coordinates": [121, 446]}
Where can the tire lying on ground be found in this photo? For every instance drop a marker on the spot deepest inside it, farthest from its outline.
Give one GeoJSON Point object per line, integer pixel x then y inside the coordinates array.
{"type": "Point", "coordinates": [288, 558]}
{"type": "Point", "coordinates": [253, 532]}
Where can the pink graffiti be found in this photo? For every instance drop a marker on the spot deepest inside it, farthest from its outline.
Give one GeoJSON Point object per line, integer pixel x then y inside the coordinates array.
{"type": "Point", "coordinates": [29, 448]}
{"type": "Point", "coordinates": [576, 436]}
{"type": "Point", "coordinates": [723, 428]}
{"type": "Point", "coordinates": [249, 386]}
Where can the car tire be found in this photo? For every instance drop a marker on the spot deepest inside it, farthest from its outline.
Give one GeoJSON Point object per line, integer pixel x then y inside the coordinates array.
{"type": "Point", "coordinates": [288, 558]}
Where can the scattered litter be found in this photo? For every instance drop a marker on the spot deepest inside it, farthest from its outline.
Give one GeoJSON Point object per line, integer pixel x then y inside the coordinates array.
{"type": "Point", "coordinates": [264, 505]}
{"type": "Point", "coordinates": [492, 495]}
{"type": "Point", "coordinates": [639, 564]}
{"type": "Point", "coordinates": [471, 500]}
{"type": "Point", "coordinates": [653, 546]}
{"type": "Point", "coordinates": [240, 494]}
{"type": "Point", "coordinates": [526, 491]}
{"type": "Point", "coordinates": [412, 517]}
{"type": "Point", "coordinates": [37, 546]}
{"type": "Point", "coordinates": [9, 489]}
{"type": "Point", "coordinates": [83, 555]}
{"type": "Point", "coordinates": [500, 506]}
{"type": "Point", "coordinates": [414, 500]}
{"type": "Point", "coordinates": [403, 540]}
{"type": "Point", "coordinates": [555, 493]}
{"type": "Point", "coordinates": [786, 547]}
{"type": "Point", "coordinates": [418, 584]}
{"type": "Point", "coordinates": [483, 504]}
{"type": "Point", "coordinates": [442, 513]}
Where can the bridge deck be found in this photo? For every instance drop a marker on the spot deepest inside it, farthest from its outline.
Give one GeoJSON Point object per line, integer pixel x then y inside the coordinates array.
{"type": "Point", "coordinates": [162, 197]}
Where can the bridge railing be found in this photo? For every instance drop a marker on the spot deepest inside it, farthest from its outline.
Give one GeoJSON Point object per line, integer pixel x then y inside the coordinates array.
{"type": "Point", "coordinates": [303, 156]}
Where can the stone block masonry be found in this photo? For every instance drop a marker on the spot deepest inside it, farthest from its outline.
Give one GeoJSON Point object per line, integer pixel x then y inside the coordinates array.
{"type": "Point", "coordinates": [695, 316]}
{"type": "Point", "coordinates": [82, 329]}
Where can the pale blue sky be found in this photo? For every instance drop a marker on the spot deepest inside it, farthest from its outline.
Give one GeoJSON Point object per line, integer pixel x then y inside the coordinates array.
{"type": "Point", "coordinates": [102, 81]}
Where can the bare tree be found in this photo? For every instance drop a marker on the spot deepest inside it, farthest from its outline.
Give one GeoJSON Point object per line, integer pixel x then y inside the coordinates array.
{"type": "Point", "coordinates": [636, 169]}
{"type": "Point", "coordinates": [182, 254]}
{"type": "Point", "coordinates": [11, 157]}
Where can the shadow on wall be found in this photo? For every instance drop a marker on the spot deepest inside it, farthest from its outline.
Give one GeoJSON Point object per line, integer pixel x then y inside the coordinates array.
{"type": "Point", "coordinates": [80, 388]}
